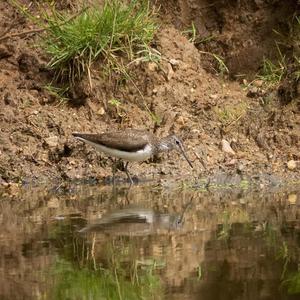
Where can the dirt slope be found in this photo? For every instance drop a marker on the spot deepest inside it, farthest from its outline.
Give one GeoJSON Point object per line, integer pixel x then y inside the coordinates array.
{"type": "Point", "coordinates": [183, 91]}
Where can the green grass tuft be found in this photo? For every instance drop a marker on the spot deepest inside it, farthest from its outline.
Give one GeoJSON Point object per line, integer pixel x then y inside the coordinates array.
{"type": "Point", "coordinates": [271, 73]}
{"type": "Point", "coordinates": [60, 93]}
{"type": "Point", "coordinates": [117, 34]}
{"type": "Point", "coordinates": [231, 113]}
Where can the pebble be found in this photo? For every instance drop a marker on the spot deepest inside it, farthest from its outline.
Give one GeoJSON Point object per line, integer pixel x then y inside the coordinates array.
{"type": "Point", "coordinates": [170, 72]}
{"type": "Point", "coordinates": [258, 83]}
{"type": "Point", "coordinates": [226, 147]}
{"type": "Point", "coordinates": [240, 167]}
{"type": "Point", "coordinates": [101, 111]}
{"type": "Point", "coordinates": [52, 141]}
{"type": "Point", "coordinates": [174, 62]}
{"type": "Point", "coordinates": [292, 164]}
{"type": "Point", "coordinates": [213, 97]}
{"type": "Point", "coordinates": [163, 171]}
{"type": "Point", "coordinates": [152, 66]}
{"type": "Point", "coordinates": [232, 162]}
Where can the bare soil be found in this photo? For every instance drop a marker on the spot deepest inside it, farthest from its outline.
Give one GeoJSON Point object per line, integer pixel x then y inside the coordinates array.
{"type": "Point", "coordinates": [184, 91]}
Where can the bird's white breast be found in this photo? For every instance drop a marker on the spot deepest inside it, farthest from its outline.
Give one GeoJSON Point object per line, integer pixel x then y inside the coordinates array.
{"type": "Point", "coordinates": [140, 155]}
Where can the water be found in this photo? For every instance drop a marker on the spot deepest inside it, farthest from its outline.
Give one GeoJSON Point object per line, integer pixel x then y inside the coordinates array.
{"type": "Point", "coordinates": [84, 242]}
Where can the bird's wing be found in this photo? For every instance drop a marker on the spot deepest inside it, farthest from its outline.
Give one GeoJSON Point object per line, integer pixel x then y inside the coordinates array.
{"type": "Point", "coordinates": [127, 140]}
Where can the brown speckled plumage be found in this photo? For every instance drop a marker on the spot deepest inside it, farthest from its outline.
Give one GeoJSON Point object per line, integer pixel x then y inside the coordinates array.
{"type": "Point", "coordinates": [130, 140]}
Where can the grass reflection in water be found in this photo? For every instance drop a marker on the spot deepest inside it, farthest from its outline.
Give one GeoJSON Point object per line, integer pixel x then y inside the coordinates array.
{"type": "Point", "coordinates": [115, 280]}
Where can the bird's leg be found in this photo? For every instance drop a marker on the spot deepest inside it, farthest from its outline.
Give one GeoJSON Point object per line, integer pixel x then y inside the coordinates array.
{"type": "Point", "coordinates": [114, 169]}
{"type": "Point", "coordinates": [127, 173]}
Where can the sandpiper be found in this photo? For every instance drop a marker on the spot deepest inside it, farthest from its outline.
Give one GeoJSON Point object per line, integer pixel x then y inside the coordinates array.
{"type": "Point", "coordinates": [131, 145]}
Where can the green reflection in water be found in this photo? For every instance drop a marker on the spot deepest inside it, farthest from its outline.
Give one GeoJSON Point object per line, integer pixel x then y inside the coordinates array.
{"type": "Point", "coordinates": [113, 282]}
{"type": "Point", "coordinates": [289, 280]}
{"type": "Point", "coordinates": [230, 217]}
{"type": "Point", "coordinates": [89, 269]}
{"type": "Point", "coordinates": [293, 283]}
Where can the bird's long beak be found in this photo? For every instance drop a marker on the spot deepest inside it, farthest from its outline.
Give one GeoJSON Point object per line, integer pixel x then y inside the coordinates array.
{"type": "Point", "coordinates": [183, 153]}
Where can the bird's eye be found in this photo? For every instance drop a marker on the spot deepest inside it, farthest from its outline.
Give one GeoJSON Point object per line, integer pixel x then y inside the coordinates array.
{"type": "Point", "coordinates": [177, 142]}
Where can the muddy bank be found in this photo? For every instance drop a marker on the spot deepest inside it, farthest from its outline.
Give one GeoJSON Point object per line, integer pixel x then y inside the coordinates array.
{"type": "Point", "coordinates": [184, 91]}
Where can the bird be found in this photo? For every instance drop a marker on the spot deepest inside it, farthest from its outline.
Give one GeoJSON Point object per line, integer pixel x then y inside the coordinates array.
{"type": "Point", "coordinates": [132, 145]}
{"type": "Point", "coordinates": [134, 221]}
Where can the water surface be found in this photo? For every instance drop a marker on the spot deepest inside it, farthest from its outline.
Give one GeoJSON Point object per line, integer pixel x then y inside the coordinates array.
{"type": "Point", "coordinates": [92, 242]}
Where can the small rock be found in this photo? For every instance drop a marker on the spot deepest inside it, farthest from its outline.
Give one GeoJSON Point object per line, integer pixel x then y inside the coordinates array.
{"type": "Point", "coordinates": [52, 141]}
{"type": "Point", "coordinates": [174, 62]}
{"type": "Point", "coordinates": [101, 111]}
{"type": "Point", "coordinates": [240, 168]}
{"type": "Point", "coordinates": [154, 91]}
{"type": "Point", "coordinates": [213, 97]}
{"type": "Point", "coordinates": [152, 66]}
{"type": "Point", "coordinates": [232, 162]}
{"type": "Point", "coordinates": [170, 72]}
{"type": "Point", "coordinates": [291, 164]}
{"type": "Point", "coordinates": [292, 198]}
{"type": "Point", "coordinates": [226, 147]}
{"type": "Point", "coordinates": [258, 82]}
